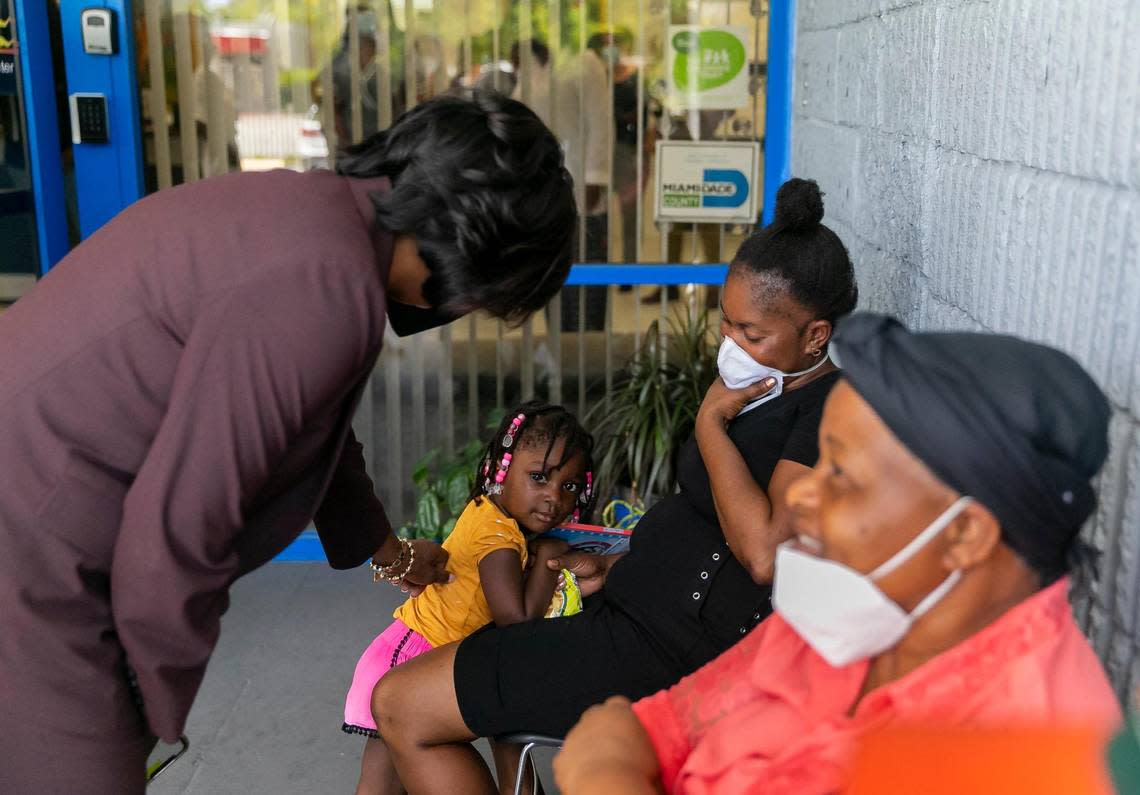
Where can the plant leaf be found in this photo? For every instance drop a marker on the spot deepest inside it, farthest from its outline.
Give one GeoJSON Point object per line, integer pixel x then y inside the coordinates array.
{"type": "Point", "coordinates": [427, 512]}
{"type": "Point", "coordinates": [457, 491]}
{"type": "Point", "coordinates": [422, 468]}
{"type": "Point", "coordinates": [448, 526]}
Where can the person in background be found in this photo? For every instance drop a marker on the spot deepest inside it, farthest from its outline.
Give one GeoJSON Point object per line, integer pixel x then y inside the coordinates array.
{"type": "Point", "coordinates": [616, 52]}
{"type": "Point", "coordinates": [214, 104]}
{"type": "Point", "coordinates": [372, 57]}
{"type": "Point", "coordinates": [926, 581]}
{"type": "Point", "coordinates": [579, 111]}
{"type": "Point", "coordinates": [573, 97]}
{"type": "Point", "coordinates": [431, 69]}
{"type": "Point", "coordinates": [536, 75]}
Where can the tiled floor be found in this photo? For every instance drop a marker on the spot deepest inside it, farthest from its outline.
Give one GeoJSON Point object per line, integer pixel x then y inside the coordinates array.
{"type": "Point", "coordinates": [267, 719]}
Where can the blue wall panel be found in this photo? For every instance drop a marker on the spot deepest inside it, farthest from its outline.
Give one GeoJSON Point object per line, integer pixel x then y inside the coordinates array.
{"type": "Point", "coordinates": [38, 83]}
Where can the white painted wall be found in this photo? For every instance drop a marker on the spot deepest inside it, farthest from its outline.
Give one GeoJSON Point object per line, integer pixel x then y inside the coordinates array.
{"type": "Point", "coordinates": [982, 162]}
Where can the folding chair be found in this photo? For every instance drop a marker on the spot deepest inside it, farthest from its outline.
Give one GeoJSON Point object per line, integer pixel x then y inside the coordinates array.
{"type": "Point", "coordinates": [528, 742]}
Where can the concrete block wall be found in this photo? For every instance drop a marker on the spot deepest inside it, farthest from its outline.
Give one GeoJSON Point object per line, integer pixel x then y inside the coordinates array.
{"type": "Point", "coordinates": [981, 159]}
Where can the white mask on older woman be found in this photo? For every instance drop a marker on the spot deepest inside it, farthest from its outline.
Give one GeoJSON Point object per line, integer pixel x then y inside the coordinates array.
{"type": "Point", "coordinates": [841, 613]}
{"type": "Point", "coordinates": [739, 370]}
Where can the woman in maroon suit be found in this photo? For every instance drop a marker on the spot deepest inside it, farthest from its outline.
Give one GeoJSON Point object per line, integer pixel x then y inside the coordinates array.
{"type": "Point", "coordinates": [175, 405]}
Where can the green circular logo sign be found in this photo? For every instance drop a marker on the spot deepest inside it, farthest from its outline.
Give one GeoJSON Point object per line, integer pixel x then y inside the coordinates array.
{"type": "Point", "coordinates": [713, 57]}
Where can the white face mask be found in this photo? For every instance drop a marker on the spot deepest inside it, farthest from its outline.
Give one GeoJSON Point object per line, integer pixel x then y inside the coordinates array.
{"type": "Point", "coordinates": [739, 370]}
{"type": "Point", "coordinates": [841, 613]}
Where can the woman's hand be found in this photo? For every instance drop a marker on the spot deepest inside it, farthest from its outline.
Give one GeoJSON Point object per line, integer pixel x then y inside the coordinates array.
{"type": "Point", "coordinates": [591, 570]}
{"type": "Point", "coordinates": [607, 751]}
{"type": "Point", "coordinates": [721, 404]}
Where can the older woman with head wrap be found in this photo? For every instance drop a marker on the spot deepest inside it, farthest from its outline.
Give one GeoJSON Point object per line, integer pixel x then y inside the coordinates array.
{"type": "Point", "coordinates": [926, 582]}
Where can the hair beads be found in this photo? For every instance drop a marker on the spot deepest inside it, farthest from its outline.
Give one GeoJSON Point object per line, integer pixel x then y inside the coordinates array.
{"type": "Point", "coordinates": [584, 497]}
{"type": "Point", "coordinates": [509, 437]}
{"type": "Point", "coordinates": [496, 487]}
{"type": "Point", "coordinates": [501, 475]}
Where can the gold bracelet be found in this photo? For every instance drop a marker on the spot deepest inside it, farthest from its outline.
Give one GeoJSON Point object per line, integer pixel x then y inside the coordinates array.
{"type": "Point", "coordinates": [396, 578]}
{"type": "Point", "coordinates": [384, 571]}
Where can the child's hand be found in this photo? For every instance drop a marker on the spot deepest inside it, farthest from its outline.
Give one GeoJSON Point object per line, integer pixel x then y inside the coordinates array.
{"type": "Point", "coordinates": [545, 548]}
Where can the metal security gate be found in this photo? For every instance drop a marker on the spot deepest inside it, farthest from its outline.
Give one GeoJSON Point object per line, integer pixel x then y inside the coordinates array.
{"type": "Point", "coordinates": [256, 84]}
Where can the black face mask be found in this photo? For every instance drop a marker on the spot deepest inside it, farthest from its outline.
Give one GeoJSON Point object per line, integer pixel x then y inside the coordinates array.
{"type": "Point", "coordinates": [407, 319]}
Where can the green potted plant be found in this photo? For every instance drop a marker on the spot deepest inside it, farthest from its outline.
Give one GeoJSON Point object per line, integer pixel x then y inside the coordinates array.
{"type": "Point", "coordinates": [653, 408]}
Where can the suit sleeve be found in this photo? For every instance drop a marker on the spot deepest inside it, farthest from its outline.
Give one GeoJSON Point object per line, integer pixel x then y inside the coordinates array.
{"type": "Point", "coordinates": [351, 521]}
{"type": "Point", "coordinates": [258, 361]}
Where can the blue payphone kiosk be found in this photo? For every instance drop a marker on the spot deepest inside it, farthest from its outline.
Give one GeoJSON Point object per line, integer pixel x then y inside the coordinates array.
{"type": "Point", "coordinates": [100, 111]}
{"type": "Point", "coordinates": [103, 106]}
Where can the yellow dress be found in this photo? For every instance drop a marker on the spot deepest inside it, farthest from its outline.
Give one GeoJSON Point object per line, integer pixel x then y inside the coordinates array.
{"type": "Point", "coordinates": [452, 611]}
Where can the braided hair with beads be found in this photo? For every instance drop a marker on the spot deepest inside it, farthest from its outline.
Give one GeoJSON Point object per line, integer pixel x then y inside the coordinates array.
{"type": "Point", "coordinates": [535, 423]}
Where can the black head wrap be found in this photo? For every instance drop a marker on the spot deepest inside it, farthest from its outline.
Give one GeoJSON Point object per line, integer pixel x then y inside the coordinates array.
{"type": "Point", "coordinates": [1020, 427]}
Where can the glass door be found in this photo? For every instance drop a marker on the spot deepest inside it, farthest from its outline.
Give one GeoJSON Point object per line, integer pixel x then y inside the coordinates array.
{"type": "Point", "coordinates": [19, 254]}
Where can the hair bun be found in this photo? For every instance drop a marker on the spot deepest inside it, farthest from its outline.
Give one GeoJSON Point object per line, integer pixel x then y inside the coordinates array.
{"type": "Point", "coordinates": [799, 205]}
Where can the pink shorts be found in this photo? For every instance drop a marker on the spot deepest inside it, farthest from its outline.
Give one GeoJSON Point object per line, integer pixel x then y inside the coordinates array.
{"type": "Point", "coordinates": [395, 645]}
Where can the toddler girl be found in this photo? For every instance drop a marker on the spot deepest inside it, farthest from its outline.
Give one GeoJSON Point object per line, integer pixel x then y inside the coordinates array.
{"type": "Point", "coordinates": [537, 473]}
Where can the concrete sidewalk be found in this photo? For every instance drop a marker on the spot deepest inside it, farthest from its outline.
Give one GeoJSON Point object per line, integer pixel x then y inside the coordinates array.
{"type": "Point", "coordinates": [267, 719]}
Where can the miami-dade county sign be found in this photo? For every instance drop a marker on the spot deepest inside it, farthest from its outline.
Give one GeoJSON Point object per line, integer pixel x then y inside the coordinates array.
{"type": "Point", "coordinates": [707, 67]}
{"type": "Point", "coordinates": [707, 181]}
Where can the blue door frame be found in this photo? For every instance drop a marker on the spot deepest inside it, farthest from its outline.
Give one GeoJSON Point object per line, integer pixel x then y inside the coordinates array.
{"type": "Point", "coordinates": [38, 83]}
{"type": "Point", "coordinates": [778, 121]}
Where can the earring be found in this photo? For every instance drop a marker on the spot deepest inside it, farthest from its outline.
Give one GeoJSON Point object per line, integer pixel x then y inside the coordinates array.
{"type": "Point", "coordinates": [815, 352]}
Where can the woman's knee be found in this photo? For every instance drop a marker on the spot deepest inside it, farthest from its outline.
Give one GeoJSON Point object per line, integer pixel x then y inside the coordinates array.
{"type": "Point", "coordinates": [415, 703]}
{"type": "Point", "coordinates": [391, 706]}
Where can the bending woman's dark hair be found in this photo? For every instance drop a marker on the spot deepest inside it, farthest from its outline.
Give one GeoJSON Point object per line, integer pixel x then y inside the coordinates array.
{"type": "Point", "coordinates": [798, 250]}
{"type": "Point", "coordinates": [480, 182]}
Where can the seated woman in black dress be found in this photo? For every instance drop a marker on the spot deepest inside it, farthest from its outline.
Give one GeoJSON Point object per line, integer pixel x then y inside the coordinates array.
{"type": "Point", "coordinates": [697, 576]}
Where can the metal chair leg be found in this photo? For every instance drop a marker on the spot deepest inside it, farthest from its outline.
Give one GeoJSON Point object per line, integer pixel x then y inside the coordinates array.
{"type": "Point", "coordinates": [524, 762]}
{"type": "Point", "coordinates": [161, 767]}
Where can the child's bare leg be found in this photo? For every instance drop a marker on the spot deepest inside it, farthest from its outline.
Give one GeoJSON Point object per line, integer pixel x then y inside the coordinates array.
{"type": "Point", "coordinates": [506, 757]}
{"type": "Point", "coordinates": [377, 773]}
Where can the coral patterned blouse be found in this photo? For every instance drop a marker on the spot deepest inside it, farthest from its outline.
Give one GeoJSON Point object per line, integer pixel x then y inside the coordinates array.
{"type": "Point", "coordinates": [771, 716]}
